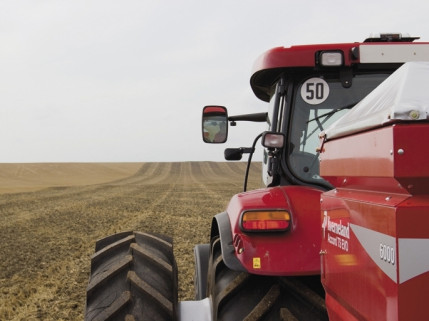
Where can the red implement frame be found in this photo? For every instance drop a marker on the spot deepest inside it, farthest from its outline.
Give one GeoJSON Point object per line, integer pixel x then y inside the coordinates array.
{"type": "Point", "coordinates": [375, 235]}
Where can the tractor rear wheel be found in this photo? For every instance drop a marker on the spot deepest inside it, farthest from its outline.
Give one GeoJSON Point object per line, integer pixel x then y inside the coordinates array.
{"type": "Point", "coordinates": [133, 277]}
{"type": "Point", "coordinates": [243, 296]}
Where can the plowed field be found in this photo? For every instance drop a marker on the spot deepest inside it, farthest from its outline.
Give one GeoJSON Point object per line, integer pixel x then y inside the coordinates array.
{"type": "Point", "coordinates": [51, 215]}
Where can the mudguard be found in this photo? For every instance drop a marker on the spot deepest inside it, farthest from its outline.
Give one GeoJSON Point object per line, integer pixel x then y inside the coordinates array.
{"type": "Point", "coordinates": [223, 224]}
{"type": "Point", "coordinates": [294, 252]}
{"type": "Point", "coordinates": [201, 255]}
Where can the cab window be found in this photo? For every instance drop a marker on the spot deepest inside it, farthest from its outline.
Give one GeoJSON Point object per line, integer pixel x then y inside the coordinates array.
{"type": "Point", "coordinates": [318, 103]}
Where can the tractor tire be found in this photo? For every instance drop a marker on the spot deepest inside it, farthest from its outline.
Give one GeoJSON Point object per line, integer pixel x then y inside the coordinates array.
{"type": "Point", "coordinates": [239, 295]}
{"type": "Point", "coordinates": [133, 277]}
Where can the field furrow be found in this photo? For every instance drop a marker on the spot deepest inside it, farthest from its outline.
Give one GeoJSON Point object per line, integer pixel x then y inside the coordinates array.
{"type": "Point", "coordinates": [48, 235]}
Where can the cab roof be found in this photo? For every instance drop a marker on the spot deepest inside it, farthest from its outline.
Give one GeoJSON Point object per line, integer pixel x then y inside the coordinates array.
{"type": "Point", "coordinates": [271, 64]}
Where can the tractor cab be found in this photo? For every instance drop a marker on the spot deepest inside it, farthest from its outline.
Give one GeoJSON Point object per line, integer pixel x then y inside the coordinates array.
{"type": "Point", "coordinates": [303, 105]}
{"type": "Point", "coordinates": [307, 88]}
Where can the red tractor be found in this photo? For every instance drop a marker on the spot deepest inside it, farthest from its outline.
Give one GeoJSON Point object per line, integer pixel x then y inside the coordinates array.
{"type": "Point", "coordinates": [339, 231]}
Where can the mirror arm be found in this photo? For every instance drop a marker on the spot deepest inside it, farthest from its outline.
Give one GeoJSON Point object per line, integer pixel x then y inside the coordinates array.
{"type": "Point", "coordinates": [258, 117]}
{"type": "Point", "coordinates": [247, 150]}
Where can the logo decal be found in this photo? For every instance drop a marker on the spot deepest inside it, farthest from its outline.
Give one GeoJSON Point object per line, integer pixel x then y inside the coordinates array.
{"type": "Point", "coordinates": [337, 232]}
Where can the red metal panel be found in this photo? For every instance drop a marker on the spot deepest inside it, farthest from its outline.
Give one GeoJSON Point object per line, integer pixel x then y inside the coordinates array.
{"type": "Point", "coordinates": [413, 296]}
{"type": "Point", "coordinates": [379, 159]}
{"type": "Point", "coordinates": [375, 238]}
{"type": "Point", "coordinates": [411, 156]}
{"type": "Point", "coordinates": [413, 251]}
{"type": "Point", "coordinates": [367, 154]}
{"type": "Point", "coordinates": [305, 56]}
{"type": "Point", "coordinates": [356, 277]}
{"type": "Point", "coordinates": [350, 275]}
{"type": "Point", "coordinates": [299, 56]}
{"type": "Point", "coordinates": [294, 252]}
{"type": "Point", "coordinates": [267, 67]}
{"type": "Point", "coordinates": [411, 219]}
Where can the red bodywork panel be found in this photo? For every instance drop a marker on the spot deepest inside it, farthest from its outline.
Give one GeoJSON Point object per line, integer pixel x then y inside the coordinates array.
{"type": "Point", "coordinates": [268, 66]}
{"type": "Point", "coordinates": [272, 63]}
{"type": "Point", "coordinates": [373, 160]}
{"type": "Point", "coordinates": [294, 252]}
{"type": "Point", "coordinates": [301, 56]}
{"type": "Point", "coordinates": [375, 236]}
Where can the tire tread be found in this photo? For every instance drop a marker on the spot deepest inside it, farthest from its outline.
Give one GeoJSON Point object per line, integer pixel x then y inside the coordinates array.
{"type": "Point", "coordinates": [133, 277]}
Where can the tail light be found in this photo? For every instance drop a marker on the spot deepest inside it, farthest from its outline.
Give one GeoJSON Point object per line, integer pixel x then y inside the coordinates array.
{"type": "Point", "coordinates": [265, 221]}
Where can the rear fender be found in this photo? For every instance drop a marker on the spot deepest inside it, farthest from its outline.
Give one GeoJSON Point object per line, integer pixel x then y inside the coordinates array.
{"type": "Point", "coordinates": [293, 252]}
{"type": "Point", "coordinates": [221, 226]}
{"type": "Point", "coordinates": [201, 255]}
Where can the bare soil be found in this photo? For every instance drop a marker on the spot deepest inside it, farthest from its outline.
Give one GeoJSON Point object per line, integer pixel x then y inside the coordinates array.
{"type": "Point", "coordinates": [52, 214]}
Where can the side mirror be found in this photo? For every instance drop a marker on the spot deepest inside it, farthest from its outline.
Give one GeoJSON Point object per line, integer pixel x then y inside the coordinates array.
{"type": "Point", "coordinates": [215, 124]}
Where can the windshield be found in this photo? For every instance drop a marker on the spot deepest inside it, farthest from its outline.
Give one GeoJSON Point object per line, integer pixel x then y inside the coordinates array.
{"type": "Point", "coordinates": [318, 102]}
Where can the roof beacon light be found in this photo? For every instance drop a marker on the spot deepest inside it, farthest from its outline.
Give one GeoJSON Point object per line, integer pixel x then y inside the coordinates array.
{"type": "Point", "coordinates": [331, 58]}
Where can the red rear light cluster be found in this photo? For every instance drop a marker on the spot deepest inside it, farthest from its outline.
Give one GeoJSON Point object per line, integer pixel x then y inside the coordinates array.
{"type": "Point", "coordinates": [265, 221]}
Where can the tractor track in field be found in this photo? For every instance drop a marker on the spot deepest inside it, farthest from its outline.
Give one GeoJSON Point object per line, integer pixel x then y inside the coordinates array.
{"type": "Point", "coordinates": [48, 235]}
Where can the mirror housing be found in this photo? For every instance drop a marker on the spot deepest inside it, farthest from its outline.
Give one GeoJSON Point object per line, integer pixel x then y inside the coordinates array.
{"type": "Point", "coordinates": [237, 153]}
{"type": "Point", "coordinates": [233, 154]}
{"type": "Point", "coordinates": [215, 124]}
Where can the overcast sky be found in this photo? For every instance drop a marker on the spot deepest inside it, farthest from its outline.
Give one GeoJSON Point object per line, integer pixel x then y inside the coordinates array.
{"type": "Point", "coordinates": [125, 81]}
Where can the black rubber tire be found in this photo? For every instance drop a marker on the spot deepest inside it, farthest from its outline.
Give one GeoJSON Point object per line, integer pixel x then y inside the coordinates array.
{"type": "Point", "coordinates": [243, 296]}
{"type": "Point", "coordinates": [133, 277]}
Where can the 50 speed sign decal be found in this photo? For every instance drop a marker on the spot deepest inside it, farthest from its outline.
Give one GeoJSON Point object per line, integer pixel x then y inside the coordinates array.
{"type": "Point", "coordinates": [314, 91]}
